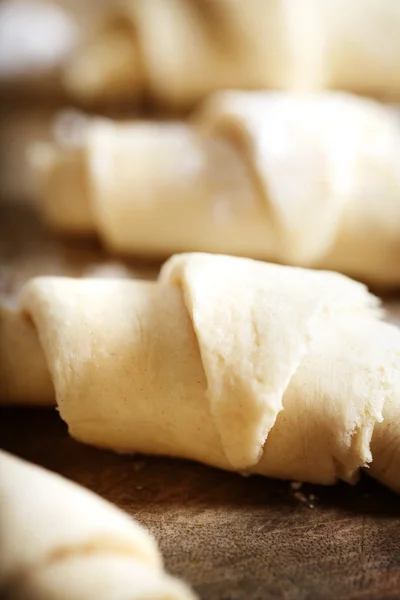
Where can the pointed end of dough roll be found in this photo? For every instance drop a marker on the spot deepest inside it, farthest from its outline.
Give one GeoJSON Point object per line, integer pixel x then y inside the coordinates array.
{"type": "Point", "coordinates": [99, 577]}
{"type": "Point", "coordinates": [107, 67]}
{"type": "Point", "coordinates": [67, 543]}
{"type": "Point", "coordinates": [60, 173]}
{"type": "Point", "coordinates": [24, 375]}
{"type": "Point", "coordinates": [69, 130]}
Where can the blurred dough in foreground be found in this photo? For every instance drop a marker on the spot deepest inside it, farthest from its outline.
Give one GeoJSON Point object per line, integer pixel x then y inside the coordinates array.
{"type": "Point", "coordinates": [62, 542]}
{"type": "Point", "coordinates": [177, 51]}
{"type": "Point", "coordinates": [302, 179]}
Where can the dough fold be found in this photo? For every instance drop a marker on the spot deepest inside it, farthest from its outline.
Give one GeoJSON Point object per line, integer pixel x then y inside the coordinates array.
{"type": "Point", "coordinates": [64, 542]}
{"type": "Point", "coordinates": [303, 179]}
{"type": "Point", "coordinates": [177, 51]}
{"type": "Point", "coordinates": [243, 365]}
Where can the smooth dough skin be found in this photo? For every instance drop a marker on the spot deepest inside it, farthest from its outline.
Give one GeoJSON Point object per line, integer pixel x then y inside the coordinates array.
{"type": "Point", "coordinates": [310, 180]}
{"type": "Point", "coordinates": [177, 51]}
{"type": "Point", "coordinates": [62, 542]}
{"type": "Point", "coordinates": [239, 364]}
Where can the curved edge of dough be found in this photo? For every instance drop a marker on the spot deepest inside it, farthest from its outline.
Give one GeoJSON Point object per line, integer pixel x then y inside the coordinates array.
{"type": "Point", "coordinates": [24, 374]}
{"type": "Point", "coordinates": [220, 290]}
{"type": "Point", "coordinates": [54, 541]}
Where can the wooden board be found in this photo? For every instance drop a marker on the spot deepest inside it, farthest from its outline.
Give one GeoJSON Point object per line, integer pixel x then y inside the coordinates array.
{"type": "Point", "coordinates": [232, 538]}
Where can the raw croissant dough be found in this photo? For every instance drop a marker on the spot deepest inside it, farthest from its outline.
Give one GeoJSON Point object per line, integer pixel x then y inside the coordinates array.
{"type": "Point", "coordinates": [63, 542]}
{"type": "Point", "coordinates": [177, 51]}
{"type": "Point", "coordinates": [310, 180]}
{"type": "Point", "coordinates": [239, 364]}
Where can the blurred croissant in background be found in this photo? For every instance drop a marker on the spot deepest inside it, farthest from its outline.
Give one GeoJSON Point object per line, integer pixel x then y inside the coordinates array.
{"type": "Point", "coordinates": [302, 179]}
{"type": "Point", "coordinates": [166, 55]}
{"type": "Point", "coordinates": [177, 51]}
{"type": "Point", "coordinates": [300, 176]}
{"type": "Point", "coordinates": [36, 37]}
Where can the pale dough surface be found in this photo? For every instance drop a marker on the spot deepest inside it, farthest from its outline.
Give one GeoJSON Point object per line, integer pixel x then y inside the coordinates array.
{"type": "Point", "coordinates": [242, 365]}
{"type": "Point", "coordinates": [178, 51]}
{"type": "Point", "coordinates": [303, 179]}
{"type": "Point", "coordinates": [62, 542]}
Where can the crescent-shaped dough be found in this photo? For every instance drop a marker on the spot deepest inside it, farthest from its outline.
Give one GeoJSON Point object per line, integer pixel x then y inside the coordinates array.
{"type": "Point", "coordinates": [310, 180]}
{"type": "Point", "coordinates": [177, 51]}
{"type": "Point", "coordinates": [62, 542]}
{"type": "Point", "coordinates": [239, 364]}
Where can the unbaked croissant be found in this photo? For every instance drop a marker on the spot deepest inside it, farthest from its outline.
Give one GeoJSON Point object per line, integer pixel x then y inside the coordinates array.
{"type": "Point", "coordinates": [310, 180]}
{"type": "Point", "coordinates": [239, 364]}
{"type": "Point", "coordinates": [177, 51]}
{"type": "Point", "coordinates": [61, 542]}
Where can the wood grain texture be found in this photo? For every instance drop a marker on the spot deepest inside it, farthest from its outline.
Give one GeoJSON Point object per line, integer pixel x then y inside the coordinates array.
{"type": "Point", "coordinates": [232, 538]}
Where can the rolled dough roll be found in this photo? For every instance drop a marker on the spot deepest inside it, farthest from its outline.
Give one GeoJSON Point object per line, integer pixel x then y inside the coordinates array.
{"type": "Point", "coordinates": [310, 180]}
{"type": "Point", "coordinates": [177, 51]}
{"type": "Point", "coordinates": [62, 542]}
{"type": "Point", "coordinates": [243, 365]}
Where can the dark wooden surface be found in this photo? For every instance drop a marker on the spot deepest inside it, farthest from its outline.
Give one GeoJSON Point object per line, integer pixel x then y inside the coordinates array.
{"type": "Point", "coordinates": [230, 537]}
{"type": "Point", "coordinates": [28, 249]}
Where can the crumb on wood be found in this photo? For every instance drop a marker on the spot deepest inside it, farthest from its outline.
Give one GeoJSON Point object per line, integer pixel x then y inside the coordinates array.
{"type": "Point", "coordinates": [296, 485]}
{"type": "Point", "coordinates": [309, 500]}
